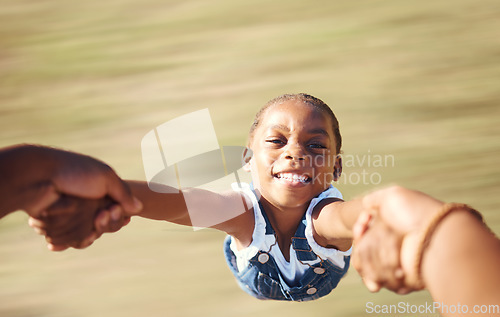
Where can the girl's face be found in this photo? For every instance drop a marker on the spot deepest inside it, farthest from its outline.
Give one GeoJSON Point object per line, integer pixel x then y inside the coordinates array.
{"type": "Point", "coordinates": [293, 154]}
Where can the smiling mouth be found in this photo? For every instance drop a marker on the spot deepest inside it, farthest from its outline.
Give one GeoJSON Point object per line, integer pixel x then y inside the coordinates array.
{"type": "Point", "coordinates": [293, 178]}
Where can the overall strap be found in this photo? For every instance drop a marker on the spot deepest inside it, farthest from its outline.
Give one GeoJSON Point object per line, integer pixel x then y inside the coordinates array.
{"type": "Point", "coordinates": [302, 248]}
{"type": "Point", "coordinates": [269, 228]}
{"type": "Point", "coordinates": [300, 245]}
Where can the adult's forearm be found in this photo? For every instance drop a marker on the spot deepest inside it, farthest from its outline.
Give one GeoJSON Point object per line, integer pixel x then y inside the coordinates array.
{"type": "Point", "coordinates": [460, 266]}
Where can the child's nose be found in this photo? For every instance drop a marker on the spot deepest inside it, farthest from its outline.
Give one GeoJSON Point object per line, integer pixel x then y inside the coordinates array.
{"type": "Point", "coordinates": [295, 152]}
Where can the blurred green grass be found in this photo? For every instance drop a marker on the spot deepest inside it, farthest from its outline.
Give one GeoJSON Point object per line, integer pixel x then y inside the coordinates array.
{"type": "Point", "coordinates": [418, 81]}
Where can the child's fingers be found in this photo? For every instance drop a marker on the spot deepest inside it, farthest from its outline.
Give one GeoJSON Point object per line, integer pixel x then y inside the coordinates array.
{"type": "Point", "coordinates": [86, 242]}
{"type": "Point", "coordinates": [390, 273]}
{"type": "Point", "coordinates": [361, 225]}
{"type": "Point", "coordinates": [372, 285]}
{"type": "Point", "coordinates": [111, 219]}
{"type": "Point", "coordinates": [57, 247]}
{"type": "Point", "coordinates": [76, 245]}
{"type": "Point", "coordinates": [115, 212]}
{"type": "Point", "coordinates": [69, 218]}
{"type": "Point", "coordinates": [404, 290]}
{"type": "Point", "coordinates": [37, 225]}
{"type": "Point", "coordinates": [364, 266]}
{"type": "Point", "coordinates": [363, 261]}
{"type": "Point", "coordinates": [101, 221]}
{"type": "Point", "coordinates": [376, 256]}
{"type": "Point", "coordinates": [73, 231]}
{"type": "Point", "coordinates": [117, 220]}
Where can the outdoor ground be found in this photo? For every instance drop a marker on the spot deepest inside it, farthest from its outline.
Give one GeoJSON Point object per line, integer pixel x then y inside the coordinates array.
{"type": "Point", "coordinates": [415, 82]}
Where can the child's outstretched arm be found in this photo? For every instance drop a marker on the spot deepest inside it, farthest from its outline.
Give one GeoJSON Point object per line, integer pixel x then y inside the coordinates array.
{"type": "Point", "coordinates": [223, 211]}
{"type": "Point", "coordinates": [227, 211]}
{"type": "Point", "coordinates": [160, 206]}
{"type": "Point", "coordinates": [333, 221]}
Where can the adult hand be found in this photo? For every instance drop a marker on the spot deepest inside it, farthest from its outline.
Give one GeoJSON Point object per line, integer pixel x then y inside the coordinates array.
{"type": "Point", "coordinates": [83, 176]}
{"type": "Point", "coordinates": [391, 225]}
{"type": "Point", "coordinates": [33, 177]}
{"type": "Point", "coordinates": [70, 222]}
{"type": "Point", "coordinates": [376, 254]}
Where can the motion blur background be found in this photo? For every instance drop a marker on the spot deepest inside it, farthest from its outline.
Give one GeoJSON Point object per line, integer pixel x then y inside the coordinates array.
{"type": "Point", "coordinates": [418, 81]}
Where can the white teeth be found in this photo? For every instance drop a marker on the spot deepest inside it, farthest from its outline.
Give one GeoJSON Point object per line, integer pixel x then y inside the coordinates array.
{"type": "Point", "coordinates": [291, 177]}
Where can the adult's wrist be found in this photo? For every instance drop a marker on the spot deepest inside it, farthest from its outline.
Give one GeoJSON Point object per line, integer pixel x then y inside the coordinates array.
{"type": "Point", "coordinates": [448, 240]}
{"type": "Point", "coordinates": [25, 170]}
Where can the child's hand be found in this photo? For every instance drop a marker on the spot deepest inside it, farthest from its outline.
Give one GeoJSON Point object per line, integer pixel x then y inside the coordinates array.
{"type": "Point", "coordinates": [70, 222]}
{"type": "Point", "coordinates": [110, 219]}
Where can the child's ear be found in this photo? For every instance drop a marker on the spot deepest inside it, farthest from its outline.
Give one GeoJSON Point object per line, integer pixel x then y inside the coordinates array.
{"type": "Point", "coordinates": [337, 169]}
{"type": "Point", "coordinates": [247, 156]}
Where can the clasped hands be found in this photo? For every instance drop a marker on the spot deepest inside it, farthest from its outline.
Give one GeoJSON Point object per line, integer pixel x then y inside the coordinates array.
{"type": "Point", "coordinates": [77, 222]}
{"type": "Point", "coordinates": [387, 238]}
{"type": "Point", "coordinates": [71, 198]}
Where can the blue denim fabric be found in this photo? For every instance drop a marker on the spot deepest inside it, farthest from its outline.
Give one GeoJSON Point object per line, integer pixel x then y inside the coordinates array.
{"type": "Point", "coordinates": [264, 281]}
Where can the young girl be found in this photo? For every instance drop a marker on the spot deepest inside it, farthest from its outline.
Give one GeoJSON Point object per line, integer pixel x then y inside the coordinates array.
{"type": "Point", "coordinates": [294, 240]}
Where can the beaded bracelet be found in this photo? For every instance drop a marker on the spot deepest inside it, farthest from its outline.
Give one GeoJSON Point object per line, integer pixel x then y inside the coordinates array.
{"type": "Point", "coordinates": [425, 237]}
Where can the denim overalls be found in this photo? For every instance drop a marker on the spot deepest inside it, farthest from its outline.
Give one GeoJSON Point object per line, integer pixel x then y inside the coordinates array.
{"type": "Point", "coordinates": [262, 279]}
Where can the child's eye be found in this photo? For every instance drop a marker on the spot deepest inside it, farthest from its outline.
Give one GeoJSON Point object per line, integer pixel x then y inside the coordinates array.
{"type": "Point", "coordinates": [275, 141]}
{"type": "Point", "coordinates": [317, 146]}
